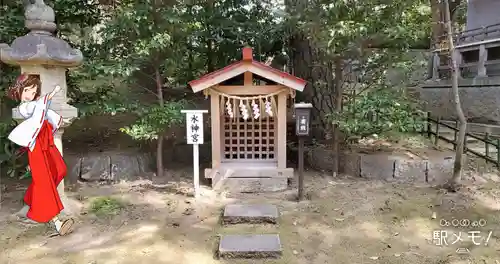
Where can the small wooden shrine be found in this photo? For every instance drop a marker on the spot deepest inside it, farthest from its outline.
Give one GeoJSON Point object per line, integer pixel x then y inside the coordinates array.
{"type": "Point", "coordinates": [248, 119]}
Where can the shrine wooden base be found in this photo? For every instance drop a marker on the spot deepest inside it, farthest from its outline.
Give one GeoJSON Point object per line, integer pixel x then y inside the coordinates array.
{"type": "Point", "coordinates": [249, 177]}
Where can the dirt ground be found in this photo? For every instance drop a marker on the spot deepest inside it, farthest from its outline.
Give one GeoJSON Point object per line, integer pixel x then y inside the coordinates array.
{"type": "Point", "coordinates": [344, 220]}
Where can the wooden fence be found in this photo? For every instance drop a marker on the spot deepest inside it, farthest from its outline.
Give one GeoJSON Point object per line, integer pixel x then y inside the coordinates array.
{"type": "Point", "coordinates": [434, 129]}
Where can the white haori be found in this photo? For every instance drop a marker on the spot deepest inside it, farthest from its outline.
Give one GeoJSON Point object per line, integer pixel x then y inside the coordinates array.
{"type": "Point", "coordinates": [34, 113]}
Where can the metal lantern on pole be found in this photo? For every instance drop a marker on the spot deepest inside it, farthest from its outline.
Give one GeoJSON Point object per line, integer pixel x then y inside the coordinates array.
{"type": "Point", "coordinates": [302, 130]}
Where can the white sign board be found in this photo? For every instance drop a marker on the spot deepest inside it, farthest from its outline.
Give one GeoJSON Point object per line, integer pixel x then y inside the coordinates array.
{"type": "Point", "coordinates": [194, 136]}
{"type": "Point", "coordinates": [194, 126]}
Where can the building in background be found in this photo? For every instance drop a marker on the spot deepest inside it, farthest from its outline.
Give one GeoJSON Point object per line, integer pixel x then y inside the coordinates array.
{"type": "Point", "coordinates": [478, 54]}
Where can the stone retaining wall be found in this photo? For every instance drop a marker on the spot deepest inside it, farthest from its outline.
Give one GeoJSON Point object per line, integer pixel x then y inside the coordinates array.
{"type": "Point", "coordinates": [386, 166]}
{"type": "Point", "coordinates": [120, 165]}
{"type": "Point", "coordinates": [479, 98]}
{"type": "Point", "coordinates": [108, 166]}
{"type": "Point", "coordinates": [128, 165]}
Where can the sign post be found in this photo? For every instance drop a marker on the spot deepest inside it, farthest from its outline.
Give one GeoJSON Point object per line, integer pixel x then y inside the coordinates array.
{"type": "Point", "coordinates": [194, 136]}
{"type": "Point", "coordinates": [302, 130]}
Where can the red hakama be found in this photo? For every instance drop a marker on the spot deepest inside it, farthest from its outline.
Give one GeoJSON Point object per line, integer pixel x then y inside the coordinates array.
{"type": "Point", "coordinates": [47, 171]}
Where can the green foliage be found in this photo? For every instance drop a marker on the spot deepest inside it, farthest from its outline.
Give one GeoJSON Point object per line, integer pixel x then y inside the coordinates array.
{"type": "Point", "coordinates": [370, 39]}
{"type": "Point", "coordinates": [13, 23]}
{"type": "Point", "coordinates": [15, 167]}
{"type": "Point", "coordinates": [12, 26]}
{"type": "Point", "coordinates": [6, 150]}
{"type": "Point", "coordinates": [106, 206]}
{"type": "Point", "coordinates": [103, 100]}
{"type": "Point", "coordinates": [132, 40]}
{"type": "Point", "coordinates": [154, 120]}
{"type": "Point", "coordinates": [379, 112]}
{"type": "Point", "coordinates": [344, 25]}
{"type": "Point", "coordinates": [183, 40]}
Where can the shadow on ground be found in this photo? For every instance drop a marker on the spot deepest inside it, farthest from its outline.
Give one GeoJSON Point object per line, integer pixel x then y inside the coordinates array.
{"type": "Point", "coordinates": [346, 220]}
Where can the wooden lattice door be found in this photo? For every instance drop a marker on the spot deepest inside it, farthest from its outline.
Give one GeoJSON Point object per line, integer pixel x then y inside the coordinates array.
{"type": "Point", "coordinates": [251, 139]}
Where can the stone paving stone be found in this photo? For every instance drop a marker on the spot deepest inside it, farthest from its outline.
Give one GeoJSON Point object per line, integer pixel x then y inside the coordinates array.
{"type": "Point", "coordinates": [251, 185]}
{"type": "Point", "coordinates": [250, 213]}
{"type": "Point", "coordinates": [250, 246]}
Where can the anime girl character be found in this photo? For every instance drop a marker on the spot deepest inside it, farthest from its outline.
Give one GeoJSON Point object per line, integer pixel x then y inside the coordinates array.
{"type": "Point", "coordinates": [35, 135]}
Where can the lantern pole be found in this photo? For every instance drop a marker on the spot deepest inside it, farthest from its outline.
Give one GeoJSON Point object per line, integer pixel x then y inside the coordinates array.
{"type": "Point", "coordinates": [301, 168]}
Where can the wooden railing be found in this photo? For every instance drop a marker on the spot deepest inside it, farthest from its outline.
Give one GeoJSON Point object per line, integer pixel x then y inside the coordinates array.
{"type": "Point", "coordinates": [469, 36]}
{"type": "Point", "coordinates": [481, 40]}
{"type": "Point", "coordinates": [434, 129]}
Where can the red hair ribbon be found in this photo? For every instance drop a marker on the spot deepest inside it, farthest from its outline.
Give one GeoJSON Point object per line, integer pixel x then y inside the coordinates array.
{"type": "Point", "coordinates": [22, 77]}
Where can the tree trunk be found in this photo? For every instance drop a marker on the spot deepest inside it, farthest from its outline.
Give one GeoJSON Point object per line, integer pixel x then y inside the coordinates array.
{"type": "Point", "coordinates": [439, 14]}
{"type": "Point", "coordinates": [454, 183]}
{"type": "Point", "coordinates": [210, 56]}
{"type": "Point", "coordinates": [159, 141]}
{"type": "Point", "coordinates": [312, 65]}
{"type": "Point", "coordinates": [159, 156]}
{"type": "Point", "coordinates": [437, 23]}
{"type": "Point", "coordinates": [339, 81]}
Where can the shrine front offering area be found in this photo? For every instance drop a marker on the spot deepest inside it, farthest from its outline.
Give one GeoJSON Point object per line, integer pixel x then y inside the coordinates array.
{"type": "Point", "coordinates": [346, 220]}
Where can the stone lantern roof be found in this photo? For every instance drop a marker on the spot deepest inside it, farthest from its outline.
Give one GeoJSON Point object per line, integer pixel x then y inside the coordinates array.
{"type": "Point", "coordinates": [40, 46]}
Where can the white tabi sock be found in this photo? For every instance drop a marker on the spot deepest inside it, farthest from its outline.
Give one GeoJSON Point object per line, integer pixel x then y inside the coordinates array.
{"type": "Point", "coordinates": [57, 223]}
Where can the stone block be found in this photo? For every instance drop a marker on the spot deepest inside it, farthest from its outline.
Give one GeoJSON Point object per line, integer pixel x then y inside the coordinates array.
{"type": "Point", "coordinates": [406, 170]}
{"type": "Point", "coordinates": [439, 169]}
{"type": "Point", "coordinates": [250, 246]}
{"type": "Point", "coordinates": [146, 163]}
{"type": "Point", "coordinates": [74, 165]}
{"type": "Point", "coordinates": [252, 185]}
{"type": "Point", "coordinates": [96, 168]}
{"type": "Point", "coordinates": [319, 158]}
{"type": "Point", "coordinates": [124, 167]}
{"type": "Point", "coordinates": [379, 167]}
{"type": "Point", "coordinates": [350, 164]}
{"type": "Point", "coordinates": [250, 172]}
{"type": "Point", "coordinates": [250, 213]}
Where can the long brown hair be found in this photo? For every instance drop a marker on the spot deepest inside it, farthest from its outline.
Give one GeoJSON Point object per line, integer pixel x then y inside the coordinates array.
{"type": "Point", "coordinates": [23, 81]}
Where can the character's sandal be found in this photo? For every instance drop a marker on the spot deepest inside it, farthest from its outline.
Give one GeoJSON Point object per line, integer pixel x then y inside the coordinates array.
{"type": "Point", "coordinates": [66, 227]}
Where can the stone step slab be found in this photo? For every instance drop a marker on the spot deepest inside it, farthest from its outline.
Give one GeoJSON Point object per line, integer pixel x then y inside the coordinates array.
{"type": "Point", "coordinates": [250, 246]}
{"type": "Point", "coordinates": [250, 185]}
{"type": "Point", "coordinates": [250, 214]}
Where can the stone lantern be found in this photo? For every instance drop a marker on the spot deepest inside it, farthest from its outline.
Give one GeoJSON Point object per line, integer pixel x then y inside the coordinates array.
{"type": "Point", "coordinates": [40, 52]}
